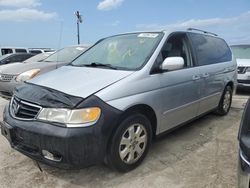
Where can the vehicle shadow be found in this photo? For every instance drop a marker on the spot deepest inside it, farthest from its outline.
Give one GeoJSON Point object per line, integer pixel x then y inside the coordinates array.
{"type": "Point", "coordinates": [243, 91]}
{"type": "Point", "coordinates": [164, 153]}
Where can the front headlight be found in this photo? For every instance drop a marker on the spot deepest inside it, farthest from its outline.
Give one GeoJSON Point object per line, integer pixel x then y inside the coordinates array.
{"type": "Point", "coordinates": [27, 75]}
{"type": "Point", "coordinates": [72, 118]}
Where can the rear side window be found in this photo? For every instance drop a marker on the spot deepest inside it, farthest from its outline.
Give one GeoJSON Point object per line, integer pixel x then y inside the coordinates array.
{"type": "Point", "coordinates": [209, 49]}
{"type": "Point", "coordinates": [35, 51]}
{"type": "Point", "coordinates": [21, 51]}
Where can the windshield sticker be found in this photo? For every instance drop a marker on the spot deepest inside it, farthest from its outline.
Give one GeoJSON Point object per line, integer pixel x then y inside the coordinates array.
{"type": "Point", "coordinates": [148, 35]}
{"type": "Point", "coordinates": [79, 48]}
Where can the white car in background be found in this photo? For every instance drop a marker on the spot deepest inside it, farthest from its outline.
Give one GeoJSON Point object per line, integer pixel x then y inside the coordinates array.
{"type": "Point", "coordinates": [12, 50]}
{"type": "Point", "coordinates": [242, 55]}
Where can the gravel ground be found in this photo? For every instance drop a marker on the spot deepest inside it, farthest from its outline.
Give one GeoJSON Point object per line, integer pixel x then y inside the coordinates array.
{"type": "Point", "coordinates": [201, 154]}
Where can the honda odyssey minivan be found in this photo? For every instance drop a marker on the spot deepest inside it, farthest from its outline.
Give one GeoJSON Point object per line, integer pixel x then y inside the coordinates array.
{"type": "Point", "coordinates": [110, 102]}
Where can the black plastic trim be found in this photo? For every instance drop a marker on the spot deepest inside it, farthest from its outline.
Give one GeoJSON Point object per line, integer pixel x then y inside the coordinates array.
{"type": "Point", "coordinates": [79, 147]}
{"type": "Point", "coordinates": [244, 131]}
{"type": "Point", "coordinates": [46, 97]}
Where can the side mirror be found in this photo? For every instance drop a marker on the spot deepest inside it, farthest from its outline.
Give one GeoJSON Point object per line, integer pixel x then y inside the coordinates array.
{"type": "Point", "coordinates": [172, 63]}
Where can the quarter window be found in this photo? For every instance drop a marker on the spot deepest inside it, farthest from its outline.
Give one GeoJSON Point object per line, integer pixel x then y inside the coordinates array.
{"type": "Point", "coordinates": [21, 51]}
{"type": "Point", "coordinates": [210, 50]}
{"type": "Point", "coordinates": [35, 51]}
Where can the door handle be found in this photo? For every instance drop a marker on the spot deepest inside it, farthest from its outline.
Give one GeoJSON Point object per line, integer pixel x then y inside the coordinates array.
{"type": "Point", "coordinates": [196, 77]}
{"type": "Point", "coordinates": [205, 75]}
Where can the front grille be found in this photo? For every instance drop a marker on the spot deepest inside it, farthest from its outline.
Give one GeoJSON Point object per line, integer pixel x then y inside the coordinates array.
{"type": "Point", "coordinates": [24, 110]}
{"type": "Point", "coordinates": [6, 77]}
{"type": "Point", "coordinates": [242, 70]}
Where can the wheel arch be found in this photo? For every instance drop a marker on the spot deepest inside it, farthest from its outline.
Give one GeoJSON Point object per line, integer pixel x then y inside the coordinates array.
{"type": "Point", "coordinates": [147, 111]}
{"type": "Point", "coordinates": [138, 108]}
{"type": "Point", "coordinates": [231, 84]}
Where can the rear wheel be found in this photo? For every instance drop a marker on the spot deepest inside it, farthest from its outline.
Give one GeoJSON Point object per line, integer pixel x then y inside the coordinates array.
{"type": "Point", "coordinates": [130, 143]}
{"type": "Point", "coordinates": [225, 102]}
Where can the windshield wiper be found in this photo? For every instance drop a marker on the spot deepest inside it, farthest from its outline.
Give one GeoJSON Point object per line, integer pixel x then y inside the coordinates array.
{"type": "Point", "coordinates": [95, 64]}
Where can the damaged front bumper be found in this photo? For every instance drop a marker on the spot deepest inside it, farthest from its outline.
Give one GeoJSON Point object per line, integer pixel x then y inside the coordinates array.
{"type": "Point", "coordinates": [61, 146]}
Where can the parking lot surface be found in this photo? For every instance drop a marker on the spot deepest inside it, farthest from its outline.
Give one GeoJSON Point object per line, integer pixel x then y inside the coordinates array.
{"type": "Point", "coordinates": [200, 154]}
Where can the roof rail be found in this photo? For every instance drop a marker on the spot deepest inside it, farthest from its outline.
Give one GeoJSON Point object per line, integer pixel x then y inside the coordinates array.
{"type": "Point", "coordinates": [206, 32]}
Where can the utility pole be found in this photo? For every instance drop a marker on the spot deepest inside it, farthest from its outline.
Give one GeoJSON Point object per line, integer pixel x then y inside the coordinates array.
{"type": "Point", "coordinates": [79, 20]}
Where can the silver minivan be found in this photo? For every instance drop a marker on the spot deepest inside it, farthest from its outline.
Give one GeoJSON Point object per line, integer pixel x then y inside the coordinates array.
{"type": "Point", "coordinates": [110, 102]}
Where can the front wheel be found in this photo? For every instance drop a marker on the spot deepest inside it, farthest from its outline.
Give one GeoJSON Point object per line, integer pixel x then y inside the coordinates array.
{"type": "Point", "coordinates": [225, 102]}
{"type": "Point", "coordinates": [130, 143]}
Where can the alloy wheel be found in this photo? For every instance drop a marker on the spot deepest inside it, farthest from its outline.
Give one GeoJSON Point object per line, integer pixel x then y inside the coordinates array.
{"type": "Point", "coordinates": [227, 100]}
{"type": "Point", "coordinates": [133, 143]}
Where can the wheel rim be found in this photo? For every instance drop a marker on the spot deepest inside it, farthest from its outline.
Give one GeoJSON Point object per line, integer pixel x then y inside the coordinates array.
{"type": "Point", "coordinates": [227, 101]}
{"type": "Point", "coordinates": [133, 143]}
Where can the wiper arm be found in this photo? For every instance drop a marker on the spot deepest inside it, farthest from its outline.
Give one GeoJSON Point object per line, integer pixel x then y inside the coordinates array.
{"type": "Point", "coordinates": [95, 64]}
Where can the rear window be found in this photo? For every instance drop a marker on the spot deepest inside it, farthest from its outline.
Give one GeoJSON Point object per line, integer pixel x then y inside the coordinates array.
{"type": "Point", "coordinates": [210, 50]}
{"type": "Point", "coordinates": [241, 51]}
{"type": "Point", "coordinates": [66, 55]}
{"type": "Point", "coordinates": [21, 51]}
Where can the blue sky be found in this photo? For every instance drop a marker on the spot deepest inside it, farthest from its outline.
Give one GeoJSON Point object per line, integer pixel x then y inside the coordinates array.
{"type": "Point", "coordinates": [52, 23]}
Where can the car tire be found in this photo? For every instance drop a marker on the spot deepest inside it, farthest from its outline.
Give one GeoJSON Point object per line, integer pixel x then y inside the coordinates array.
{"type": "Point", "coordinates": [130, 143]}
{"type": "Point", "coordinates": [225, 102]}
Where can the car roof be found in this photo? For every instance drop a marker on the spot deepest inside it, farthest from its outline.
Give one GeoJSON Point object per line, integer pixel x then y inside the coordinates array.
{"type": "Point", "coordinates": [173, 30]}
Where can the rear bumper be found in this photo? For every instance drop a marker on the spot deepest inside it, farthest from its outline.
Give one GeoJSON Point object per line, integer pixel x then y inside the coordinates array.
{"type": "Point", "coordinates": [75, 147]}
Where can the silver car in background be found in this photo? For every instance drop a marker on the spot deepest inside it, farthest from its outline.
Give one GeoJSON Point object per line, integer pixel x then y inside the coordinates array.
{"type": "Point", "coordinates": [242, 55]}
{"type": "Point", "coordinates": [14, 74]}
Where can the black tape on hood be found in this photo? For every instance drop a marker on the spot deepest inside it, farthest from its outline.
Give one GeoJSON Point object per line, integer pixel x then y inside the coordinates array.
{"type": "Point", "coordinates": [46, 97]}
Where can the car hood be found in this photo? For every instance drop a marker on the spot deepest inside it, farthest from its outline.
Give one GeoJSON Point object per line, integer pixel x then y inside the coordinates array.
{"type": "Point", "coordinates": [79, 81]}
{"type": "Point", "coordinates": [243, 62]}
{"type": "Point", "coordinates": [18, 68]}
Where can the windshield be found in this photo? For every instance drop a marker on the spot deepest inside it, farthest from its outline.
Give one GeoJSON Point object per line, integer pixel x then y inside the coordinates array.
{"type": "Point", "coordinates": [4, 56]}
{"type": "Point", "coordinates": [127, 52]}
{"type": "Point", "coordinates": [37, 58]}
{"type": "Point", "coordinates": [241, 51]}
{"type": "Point", "coordinates": [67, 54]}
